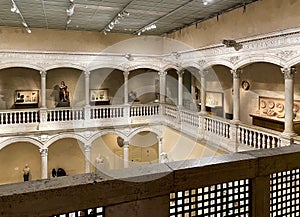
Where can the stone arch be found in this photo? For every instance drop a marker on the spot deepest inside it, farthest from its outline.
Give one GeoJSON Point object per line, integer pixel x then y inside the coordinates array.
{"type": "Point", "coordinates": [212, 63]}
{"type": "Point", "coordinates": [20, 139]}
{"type": "Point", "coordinates": [66, 65]}
{"type": "Point", "coordinates": [105, 132]}
{"type": "Point", "coordinates": [260, 58]}
{"type": "Point", "coordinates": [102, 66]}
{"type": "Point", "coordinates": [143, 129]}
{"type": "Point", "coordinates": [65, 136]}
{"type": "Point", "coordinates": [171, 66]}
{"type": "Point", "coordinates": [142, 65]}
{"type": "Point", "coordinates": [20, 64]}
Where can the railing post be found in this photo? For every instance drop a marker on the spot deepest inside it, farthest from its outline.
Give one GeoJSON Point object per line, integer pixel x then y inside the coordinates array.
{"type": "Point", "coordinates": [261, 196]}
{"type": "Point", "coordinates": [233, 134]}
{"type": "Point", "coordinates": [87, 112]}
{"type": "Point", "coordinates": [145, 208]}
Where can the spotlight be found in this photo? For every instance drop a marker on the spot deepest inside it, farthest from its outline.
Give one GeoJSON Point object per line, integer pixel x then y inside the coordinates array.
{"type": "Point", "coordinates": [70, 10]}
{"type": "Point", "coordinates": [24, 24]}
{"type": "Point", "coordinates": [205, 2]}
{"type": "Point", "coordinates": [28, 30]}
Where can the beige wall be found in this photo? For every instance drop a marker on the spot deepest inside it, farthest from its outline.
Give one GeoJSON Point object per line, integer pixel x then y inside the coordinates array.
{"type": "Point", "coordinates": [260, 17]}
{"type": "Point", "coordinates": [67, 154]}
{"type": "Point", "coordinates": [13, 159]}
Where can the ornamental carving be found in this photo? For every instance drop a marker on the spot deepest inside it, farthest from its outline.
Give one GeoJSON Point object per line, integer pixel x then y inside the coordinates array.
{"type": "Point", "coordinates": [202, 62]}
{"type": "Point", "coordinates": [234, 59]}
{"type": "Point", "coordinates": [286, 54]}
{"type": "Point", "coordinates": [236, 73]}
{"type": "Point", "coordinates": [288, 72]}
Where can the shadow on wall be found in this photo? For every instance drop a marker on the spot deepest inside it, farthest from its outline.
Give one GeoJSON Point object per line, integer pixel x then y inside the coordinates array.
{"type": "Point", "coordinates": [55, 94]}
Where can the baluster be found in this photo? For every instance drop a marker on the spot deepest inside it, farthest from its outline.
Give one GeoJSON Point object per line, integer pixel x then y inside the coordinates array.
{"type": "Point", "coordinates": [268, 141]}
{"type": "Point", "coordinates": [217, 127]}
{"type": "Point", "coordinates": [135, 111]}
{"type": "Point", "coordinates": [250, 137]}
{"type": "Point", "coordinates": [258, 145]}
{"type": "Point", "coordinates": [242, 135]}
{"type": "Point", "coordinates": [227, 131]}
{"type": "Point", "coordinates": [1, 118]}
{"type": "Point", "coordinates": [254, 139]}
{"type": "Point", "coordinates": [246, 137]}
{"type": "Point", "coordinates": [210, 125]}
{"type": "Point", "coordinates": [11, 117]}
{"type": "Point", "coordinates": [273, 143]}
{"type": "Point", "coordinates": [263, 141]}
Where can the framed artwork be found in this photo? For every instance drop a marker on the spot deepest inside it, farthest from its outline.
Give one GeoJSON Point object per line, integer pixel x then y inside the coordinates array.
{"type": "Point", "coordinates": [214, 98]}
{"type": "Point", "coordinates": [99, 95]}
{"type": "Point", "coordinates": [27, 97]}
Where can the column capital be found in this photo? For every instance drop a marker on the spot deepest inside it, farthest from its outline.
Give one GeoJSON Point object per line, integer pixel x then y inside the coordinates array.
{"type": "Point", "coordinates": [87, 73]}
{"type": "Point", "coordinates": [126, 144]}
{"type": "Point", "coordinates": [162, 73]}
{"type": "Point", "coordinates": [236, 73]}
{"type": "Point", "coordinates": [44, 152]}
{"type": "Point", "coordinates": [288, 72]}
{"type": "Point", "coordinates": [159, 138]}
{"type": "Point", "coordinates": [180, 73]}
{"type": "Point", "coordinates": [43, 73]}
{"type": "Point", "coordinates": [126, 73]}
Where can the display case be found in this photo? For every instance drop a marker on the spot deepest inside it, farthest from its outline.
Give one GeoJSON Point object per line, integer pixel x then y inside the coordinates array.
{"type": "Point", "coordinates": [99, 97]}
{"type": "Point", "coordinates": [26, 98]}
{"type": "Point", "coordinates": [214, 103]}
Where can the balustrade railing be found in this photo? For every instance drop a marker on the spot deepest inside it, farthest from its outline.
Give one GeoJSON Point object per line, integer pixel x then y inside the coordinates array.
{"type": "Point", "coordinates": [217, 126]}
{"type": "Point", "coordinates": [257, 137]}
{"type": "Point", "coordinates": [171, 111]}
{"type": "Point", "coordinates": [104, 112]}
{"type": "Point", "coordinates": [54, 115]}
{"type": "Point", "coordinates": [19, 117]}
{"type": "Point", "coordinates": [144, 110]}
{"type": "Point", "coordinates": [190, 118]}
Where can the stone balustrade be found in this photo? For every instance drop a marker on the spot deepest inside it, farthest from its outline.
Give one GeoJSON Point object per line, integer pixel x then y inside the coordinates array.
{"type": "Point", "coordinates": [222, 132]}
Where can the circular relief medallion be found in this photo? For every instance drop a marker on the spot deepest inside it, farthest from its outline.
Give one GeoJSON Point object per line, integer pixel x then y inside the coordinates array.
{"type": "Point", "coordinates": [280, 107]}
{"type": "Point", "coordinates": [263, 104]}
{"type": "Point", "coordinates": [271, 104]}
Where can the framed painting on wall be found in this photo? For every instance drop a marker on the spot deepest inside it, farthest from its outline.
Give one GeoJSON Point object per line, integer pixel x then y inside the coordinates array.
{"type": "Point", "coordinates": [100, 96]}
{"type": "Point", "coordinates": [26, 98]}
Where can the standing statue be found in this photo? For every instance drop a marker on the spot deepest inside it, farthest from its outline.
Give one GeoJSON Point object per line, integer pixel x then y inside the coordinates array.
{"type": "Point", "coordinates": [63, 92]}
{"type": "Point", "coordinates": [99, 163]}
{"type": "Point", "coordinates": [164, 157]}
{"type": "Point", "coordinates": [26, 173]}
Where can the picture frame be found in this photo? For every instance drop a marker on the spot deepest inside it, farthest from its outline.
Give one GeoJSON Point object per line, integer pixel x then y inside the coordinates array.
{"type": "Point", "coordinates": [99, 95]}
{"type": "Point", "coordinates": [23, 97]}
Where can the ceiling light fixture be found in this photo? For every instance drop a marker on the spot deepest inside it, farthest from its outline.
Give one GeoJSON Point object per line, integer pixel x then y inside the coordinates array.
{"type": "Point", "coordinates": [204, 2]}
{"type": "Point", "coordinates": [115, 20]}
{"type": "Point", "coordinates": [15, 9]}
{"type": "Point", "coordinates": [147, 28]}
{"type": "Point", "coordinates": [70, 11]}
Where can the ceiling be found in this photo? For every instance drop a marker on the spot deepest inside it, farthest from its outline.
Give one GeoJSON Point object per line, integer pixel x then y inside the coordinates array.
{"type": "Point", "coordinates": [96, 15]}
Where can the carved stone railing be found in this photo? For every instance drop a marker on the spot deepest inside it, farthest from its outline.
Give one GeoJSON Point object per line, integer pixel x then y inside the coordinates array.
{"type": "Point", "coordinates": [216, 130]}
{"type": "Point", "coordinates": [104, 112]}
{"type": "Point", "coordinates": [189, 118]}
{"type": "Point", "coordinates": [217, 126]}
{"type": "Point", "coordinates": [258, 137]}
{"type": "Point", "coordinates": [64, 114]}
{"type": "Point", "coordinates": [253, 183]}
{"type": "Point", "coordinates": [144, 110]}
{"type": "Point", "coordinates": [19, 117]}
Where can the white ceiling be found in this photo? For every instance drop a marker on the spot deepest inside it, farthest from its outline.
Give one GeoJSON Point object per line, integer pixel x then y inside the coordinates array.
{"type": "Point", "coordinates": [95, 15]}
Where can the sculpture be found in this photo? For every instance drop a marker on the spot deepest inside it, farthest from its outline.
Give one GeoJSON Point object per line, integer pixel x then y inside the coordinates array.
{"type": "Point", "coordinates": [63, 92]}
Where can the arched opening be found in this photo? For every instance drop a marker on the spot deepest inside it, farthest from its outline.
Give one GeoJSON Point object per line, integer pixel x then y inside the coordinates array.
{"type": "Point", "coordinates": [106, 147]}
{"type": "Point", "coordinates": [143, 149]}
{"type": "Point", "coordinates": [14, 157]}
{"type": "Point", "coordinates": [68, 154]}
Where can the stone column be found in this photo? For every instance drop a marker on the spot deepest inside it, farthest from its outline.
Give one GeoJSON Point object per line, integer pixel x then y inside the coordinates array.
{"type": "Point", "coordinates": [87, 154]}
{"type": "Point", "coordinates": [162, 87]}
{"type": "Point", "coordinates": [236, 94]}
{"type": "Point", "coordinates": [43, 89]}
{"type": "Point", "coordinates": [87, 87]}
{"type": "Point", "coordinates": [288, 101]}
{"type": "Point", "coordinates": [126, 154]}
{"type": "Point", "coordinates": [180, 88]}
{"type": "Point", "coordinates": [126, 74]}
{"type": "Point", "coordinates": [159, 147]}
{"type": "Point", "coordinates": [44, 162]}
{"type": "Point", "coordinates": [203, 91]}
